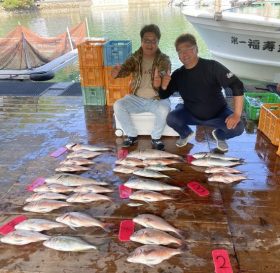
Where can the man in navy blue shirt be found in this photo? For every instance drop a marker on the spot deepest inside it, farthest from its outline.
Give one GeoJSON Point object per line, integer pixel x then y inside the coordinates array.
{"type": "Point", "coordinates": [199, 82]}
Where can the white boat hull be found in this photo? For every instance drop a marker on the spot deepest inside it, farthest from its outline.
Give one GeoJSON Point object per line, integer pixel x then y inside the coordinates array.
{"type": "Point", "coordinates": [248, 45]}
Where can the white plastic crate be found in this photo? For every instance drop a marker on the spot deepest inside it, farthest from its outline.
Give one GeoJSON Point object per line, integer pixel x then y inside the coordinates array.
{"type": "Point", "coordinates": [144, 122]}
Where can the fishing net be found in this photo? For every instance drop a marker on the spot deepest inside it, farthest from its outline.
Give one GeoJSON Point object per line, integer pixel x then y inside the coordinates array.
{"type": "Point", "coordinates": [24, 49]}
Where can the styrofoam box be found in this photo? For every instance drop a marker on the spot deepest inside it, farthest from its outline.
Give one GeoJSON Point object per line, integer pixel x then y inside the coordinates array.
{"type": "Point", "coordinates": [144, 122]}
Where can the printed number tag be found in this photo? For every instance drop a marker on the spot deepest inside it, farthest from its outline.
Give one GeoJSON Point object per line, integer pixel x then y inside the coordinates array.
{"type": "Point", "coordinates": [189, 158]}
{"type": "Point", "coordinates": [124, 191]}
{"type": "Point", "coordinates": [10, 226]}
{"type": "Point", "coordinates": [198, 189]}
{"type": "Point", "coordinates": [36, 183]}
{"type": "Point", "coordinates": [126, 230]}
{"type": "Point", "coordinates": [221, 261]}
{"type": "Point", "coordinates": [122, 153]}
{"type": "Point", "coordinates": [59, 152]}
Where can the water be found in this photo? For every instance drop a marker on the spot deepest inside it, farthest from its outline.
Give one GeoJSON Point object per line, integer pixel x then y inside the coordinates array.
{"type": "Point", "coordinates": [116, 23]}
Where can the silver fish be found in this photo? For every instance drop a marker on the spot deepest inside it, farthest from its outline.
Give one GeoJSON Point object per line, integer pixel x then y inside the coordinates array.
{"type": "Point", "coordinates": [83, 154]}
{"type": "Point", "coordinates": [149, 196]}
{"type": "Point", "coordinates": [71, 168]}
{"type": "Point", "coordinates": [152, 254]}
{"type": "Point", "coordinates": [221, 170]}
{"type": "Point", "coordinates": [161, 161]}
{"type": "Point", "coordinates": [151, 236]}
{"type": "Point", "coordinates": [77, 161]}
{"type": "Point", "coordinates": [133, 204]}
{"type": "Point", "coordinates": [45, 205]}
{"type": "Point", "coordinates": [150, 173]}
{"type": "Point", "coordinates": [153, 221]}
{"type": "Point", "coordinates": [226, 178]}
{"type": "Point", "coordinates": [23, 237]}
{"type": "Point", "coordinates": [72, 180]}
{"type": "Point", "coordinates": [67, 243]}
{"type": "Point", "coordinates": [92, 188]}
{"type": "Point", "coordinates": [151, 153]}
{"type": "Point", "coordinates": [149, 184]}
{"type": "Point", "coordinates": [209, 162]}
{"type": "Point", "coordinates": [92, 148]}
{"type": "Point", "coordinates": [130, 162]}
{"type": "Point", "coordinates": [53, 188]}
{"type": "Point", "coordinates": [215, 155]}
{"type": "Point", "coordinates": [160, 168]}
{"type": "Point", "coordinates": [86, 197]}
{"type": "Point", "coordinates": [38, 225]}
{"type": "Point", "coordinates": [78, 219]}
{"type": "Point", "coordinates": [125, 169]}
{"type": "Point", "coordinates": [45, 195]}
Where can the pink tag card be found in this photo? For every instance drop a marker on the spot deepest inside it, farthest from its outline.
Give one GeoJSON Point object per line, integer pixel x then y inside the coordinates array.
{"type": "Point", "coordinates": [126, 230]}
{"type": "Point", "coordinates": [36, 183]}
{"type": "Point", "coordinates": [122, 153]}
{"type": "Point", "coordinates": [189, 158]}
{"type": "Point", "coordinates": [59, 152]}
{"type": "Point", "coordinates": [10, 226]}
{"type": "Point", "coordinates": [124, 191]}
{"type": "Point", "coordinates": [221, 261]}
{"type": "Point", "coordinates": [198, 188]}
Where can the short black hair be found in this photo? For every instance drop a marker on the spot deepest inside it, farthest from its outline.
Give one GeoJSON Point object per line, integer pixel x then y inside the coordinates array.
{"type": "Point", "coordinates": [150, 28]}
{"type": "Point", "coordinates": [185, 38]}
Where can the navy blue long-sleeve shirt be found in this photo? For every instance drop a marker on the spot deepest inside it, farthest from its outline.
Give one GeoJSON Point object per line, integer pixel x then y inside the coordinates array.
{"type": "Point", "coordinates": [201, 87]}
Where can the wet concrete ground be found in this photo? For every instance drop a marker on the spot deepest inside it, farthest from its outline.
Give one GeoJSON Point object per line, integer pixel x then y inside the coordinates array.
{"type": "Point", "coordinates": [242, 217]}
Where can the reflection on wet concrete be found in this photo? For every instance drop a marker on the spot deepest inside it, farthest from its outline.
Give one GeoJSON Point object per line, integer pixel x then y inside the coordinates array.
{"type": "Point", "coordinates": [241, 217]}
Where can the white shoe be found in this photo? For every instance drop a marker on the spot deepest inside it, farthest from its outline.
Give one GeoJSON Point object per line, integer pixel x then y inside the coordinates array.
{"type": "Point", "coordinates": [181, 142]}
{"type": "Point", "coordinates": [221, 144]}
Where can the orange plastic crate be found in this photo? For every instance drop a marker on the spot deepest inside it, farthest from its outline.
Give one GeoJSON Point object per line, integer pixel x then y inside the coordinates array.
{"type": "Point", "coordinates": [269, 122]}
{"type": "Point", "coordinates": [92, 76]}
{"type": "Point", "coordinates": [91, 53]}
{"type": "Point", "coordinates": [110, 82]}
{"type": "Point", "coordinates": [115, 93]}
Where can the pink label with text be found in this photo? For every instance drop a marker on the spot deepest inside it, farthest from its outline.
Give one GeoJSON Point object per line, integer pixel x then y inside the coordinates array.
{"type": "Point", "coordinates": [10, 226]}
{"type": "Point", "coordinates": [36, 183]}
{"type": "Point", "coordinates": [126, 230]}
{"type": "Point", "coordinates": [198, 189]}
{"type": "Point", "coordinates": [221, 261]}
{"type": "Point", "coordinates": [59, 152]}
{"type": "Point", "coordinates": [124, 191]}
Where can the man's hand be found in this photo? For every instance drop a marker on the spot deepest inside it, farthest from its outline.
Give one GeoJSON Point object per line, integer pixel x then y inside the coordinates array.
{"type": "Point", "coordinates": [232, 121]}
{"type": "Point", "coordinates": [115, 71]}
{"type": "Point", "coordinates": [157, 79]}
{"type": "Point", "coordinates": [165, 80]}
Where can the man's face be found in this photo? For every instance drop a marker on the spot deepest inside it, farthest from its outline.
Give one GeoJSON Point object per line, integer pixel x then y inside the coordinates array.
{"type": "Point", "coordinates": [149, 44]}
{"type": "Point", "coordinates": [187, 53]}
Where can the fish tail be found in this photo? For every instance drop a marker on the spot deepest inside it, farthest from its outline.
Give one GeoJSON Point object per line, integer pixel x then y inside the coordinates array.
{"type": "Point", "coordinates": [108, 227]}
{"type": "Point", "coordinates": [183, 248]}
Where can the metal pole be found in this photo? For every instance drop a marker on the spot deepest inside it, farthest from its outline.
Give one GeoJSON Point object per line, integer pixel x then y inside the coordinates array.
{"type": "Point", "coordinates": [70, 41]}
{"type": "Point", "coordinates": [87, 28]}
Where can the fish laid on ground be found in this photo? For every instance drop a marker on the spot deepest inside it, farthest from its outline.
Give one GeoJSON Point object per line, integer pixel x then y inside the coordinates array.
{"type": "Point", "coordinates": [215, 155]}
{"type": "Point", "coordinates": [151, 153]}
{"type": "Point", "coordinates": [38, 225]}
{"type": "Point", "coordinates": [23, 237]}
{"type": "Point", "coordinates": [130, 162]}
{"type": "Point", "coordinates": [67, 243]}
{"type": "Point", "coordinates": [151, 236]}
{"type": "Point", "coordinates": [71, 168]}
{"type": "Point", "coordinates": [152, 254]}
{"type": "Point", "coordinates": [78, 219]}
{"type": "Point", "coordinates": [125, 169]}
{"type": "Point", "coordinates": [160, 168]}
{"type": "Point", "coordinates": [53, 188]}
{"type": "Point", "coordinates": [149, 184]}
{"type": "Point", "coordinates": [161, 161]}
{"type": "Point", "coordinates": [226, 178]}
{"type": "Point", "coordinates": [77, 161]}
{"type": "Point", "coordinates": [221, 170]}
{"type": "Point", "coordinates": [150, 173]}
{"type": "Point", "coordinates": [208, 162]}
{"type": "Point", "coordinates": [92, 188]}
{"type": "Point", "coordinates": [72, 180]}
{"type": "Point", "coordinates": [153, 221]}
{"type": "Point", "coordinates": [86, 197]}
{"type": "Point", "coordinates": [44, 206]}
{"type": "Point", "coordinates": [46, 195]}
{"type": "Point", "coordinates": [149, 196]}
{"type": "Point", "coordinates": [83, 154]}
{"type": "Point", "coordinates": [92, 148]}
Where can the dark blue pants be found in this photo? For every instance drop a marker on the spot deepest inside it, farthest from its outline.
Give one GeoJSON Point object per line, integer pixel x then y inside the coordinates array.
{"type": "Point", "coordinates": [180, 119]}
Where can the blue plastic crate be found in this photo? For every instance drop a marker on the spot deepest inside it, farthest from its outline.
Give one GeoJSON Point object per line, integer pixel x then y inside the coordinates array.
{"type": "Point", "coordinates": [116, 52]}
{"type": "Point", "coordinates": [94, 95]}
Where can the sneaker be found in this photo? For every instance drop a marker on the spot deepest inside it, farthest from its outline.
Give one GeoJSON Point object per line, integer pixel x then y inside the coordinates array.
{"type": "Point", "coordinates": [157, 144]}
{"type": "Point", "coordinates": [129, 141]}
{"type": "Point", "coordinates": [221, 144]}
{"type": "Point", "coordinates": [181, 142]}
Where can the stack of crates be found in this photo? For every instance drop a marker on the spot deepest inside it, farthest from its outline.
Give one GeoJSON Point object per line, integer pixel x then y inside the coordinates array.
{"type": "Point", "coordinates": [116, 52]}
{"type": "Point", "coordinates": [92, 71]}
{"type": "Point", "coordinates": [269, 122]}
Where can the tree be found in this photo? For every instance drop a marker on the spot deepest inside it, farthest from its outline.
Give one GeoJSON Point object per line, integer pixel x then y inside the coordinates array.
{"type": "Point", "coordinates": [17, 4]}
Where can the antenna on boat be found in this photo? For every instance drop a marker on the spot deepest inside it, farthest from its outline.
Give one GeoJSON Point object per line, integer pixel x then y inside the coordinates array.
{"type": "Point", "coordinates": [70, 40]}
{"type": "Point", "coordinates": [87, 28]}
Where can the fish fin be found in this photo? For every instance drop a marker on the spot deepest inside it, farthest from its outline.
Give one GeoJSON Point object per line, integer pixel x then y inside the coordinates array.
{"type": "Point", "coordinates": [182, 234]}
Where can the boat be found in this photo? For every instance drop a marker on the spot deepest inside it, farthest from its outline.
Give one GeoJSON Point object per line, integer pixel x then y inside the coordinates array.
{"type": "Point", "coordinates": [24, 55]}
{"type": "Point", "coordinates": [246, 42]}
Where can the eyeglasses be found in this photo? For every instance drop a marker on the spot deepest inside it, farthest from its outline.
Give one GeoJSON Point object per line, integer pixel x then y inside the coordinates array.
{"type": "Point", "coordinates": [150, 42]}
{"type": "Point", "coordinates": [186, 50]}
